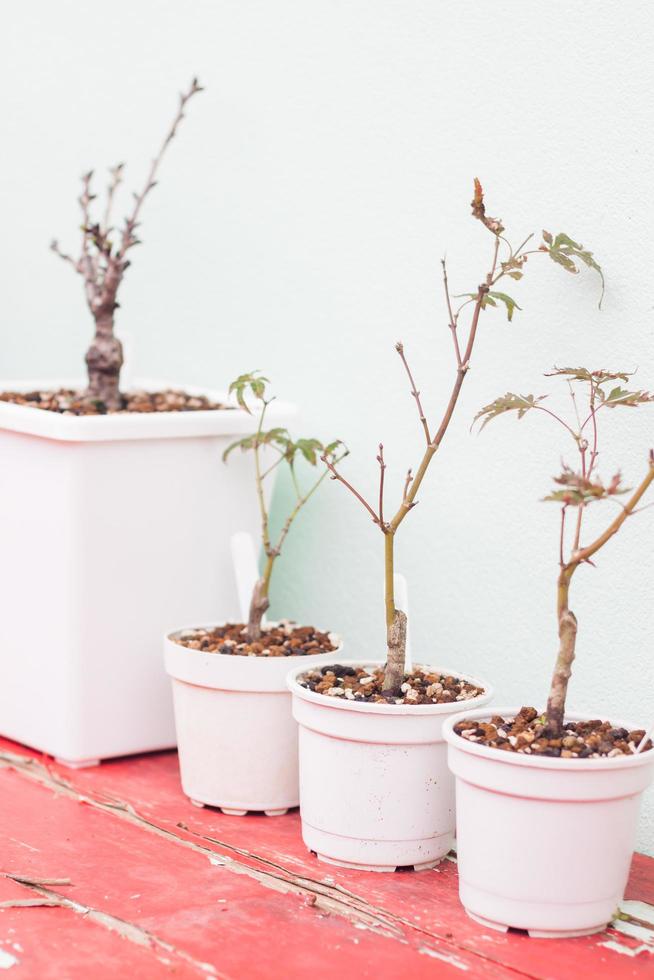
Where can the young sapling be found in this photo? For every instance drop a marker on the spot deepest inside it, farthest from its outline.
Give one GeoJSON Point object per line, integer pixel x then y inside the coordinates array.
{"type": "Point", "coordinates": [287, 452]}
{"type": "Point", "coordinates": [576, 489]}
{"type": "Point", "coordinates": [103, 261]}
{"type": "Point", "coordinates": [506, 262]}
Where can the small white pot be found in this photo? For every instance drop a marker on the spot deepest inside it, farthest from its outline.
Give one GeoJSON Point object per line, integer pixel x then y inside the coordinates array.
{"type": "Point", "coordinates": [375, 790]}
{"type": "Point", "coordinates": [544, 844]}
{"type": "Point", "coordinates": [236, 736]}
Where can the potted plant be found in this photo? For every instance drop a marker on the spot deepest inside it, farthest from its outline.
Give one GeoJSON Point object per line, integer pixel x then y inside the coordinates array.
{"type": "Point", "coordinates": [236, 736]}
{"type": "Point", "coordinates": [107, 498]}
{"type": "Point", "coordinates": [374, 786]}
{"type": "Point", "coordinates": [547, 801]}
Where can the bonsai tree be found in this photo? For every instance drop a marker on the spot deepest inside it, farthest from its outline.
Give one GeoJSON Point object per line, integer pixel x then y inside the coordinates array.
{"type": "Point", "coordinates": [103, 261]}
{"type": "Point", "coordinates": [288, 451]}
{"type": "Point", "coordinates": [576, 489]}
{"type": "Point", "coordinates": [506, 262]}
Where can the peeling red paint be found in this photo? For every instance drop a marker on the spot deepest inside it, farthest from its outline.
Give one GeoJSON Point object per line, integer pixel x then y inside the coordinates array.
{"type": "Point", "coordinates": [159, 888]}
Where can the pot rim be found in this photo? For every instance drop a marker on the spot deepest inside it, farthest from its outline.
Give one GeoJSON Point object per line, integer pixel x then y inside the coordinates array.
{"type": "Point", "coordinates": [231, 658]}
{"type": "Point", "coordinates": [375, 708]}
{"type": "Point", "coordinates": [540, 761]}
{"type": "Point", "coordinates": [229, 421]}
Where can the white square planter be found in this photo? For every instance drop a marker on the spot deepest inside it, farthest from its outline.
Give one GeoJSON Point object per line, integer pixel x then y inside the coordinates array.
{"type": "Point", "coordinates": [114, 529]}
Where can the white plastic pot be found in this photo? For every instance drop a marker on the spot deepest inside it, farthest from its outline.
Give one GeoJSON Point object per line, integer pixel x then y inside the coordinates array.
{"type": "Point", "coordinates": [375, 790]}
{"type": "Point", "coordinates": [544, 844]}
{"type": "Point", "coordinates": [114, 529]}
{"type": "Point", "coordinates": [236, 736]}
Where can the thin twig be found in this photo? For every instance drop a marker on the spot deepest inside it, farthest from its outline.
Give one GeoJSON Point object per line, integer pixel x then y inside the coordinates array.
{"type": "Point", "coordinates": [54, 246]}
{"type": "Point", "coordinates": [131, 222]}
{"type": "Point", "coordinates": [335, 475]}
{"type": "Point", "coordinates": [453, 319]}
{"type": "Point", "coordinates": [407, 484]}
{"type": "Point", "coordinates": [562, 536]}
{"type": "Point", "coordinates": [382, 470]}
{"type": "Point", "coordinates": [399, 347]}
{"type": "Point", "coordinates": [541, 408]}
{"type": "Point", "coordinates": [116, 174]}
{"type": "Point", "coordinates": [574, 403]}
{"type": "Point", "coordinates": [520, 247]}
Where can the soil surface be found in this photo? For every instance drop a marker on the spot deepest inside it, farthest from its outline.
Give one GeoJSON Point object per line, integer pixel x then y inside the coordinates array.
{"type": "Point", "coordinates": [285, 640]}
{"type": "Point", "coordinates": [65, 401]}
{"type": "Point", "coordinates": [525, 734]}
{"type": "Point", "coordinates": [422, 686]}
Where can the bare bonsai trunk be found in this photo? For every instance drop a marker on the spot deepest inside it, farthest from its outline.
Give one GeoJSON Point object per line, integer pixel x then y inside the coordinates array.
{"type": "Point", "coordinates": [567, 619]}
{"type": "Point", "coordinates": [104, 360]}
{"type": "Point", "coordinates": [258, 607]}
{"type": "Point", "coordinates": [395, 655]}
{"type": "Point", "coordinates": [395, 627]}
{"type": "Point", "coordinates": [563, 666]}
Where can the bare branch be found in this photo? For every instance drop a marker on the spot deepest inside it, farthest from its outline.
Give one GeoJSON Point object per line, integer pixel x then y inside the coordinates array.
{"type": "Point", "coordinates": [453, 318]}
{"type": "Point", "coordinates": [407, 484]}
{"type": "Point", "coordinates": [128, 238]}
{"type": "Point", "coordinates": [335, 475]}
{"type": "Point", "coordinates": [54, 246]}
{"type": "Point", "coordinates": [399, 347]}
{"type": "Point", "coordinates": [562, 536]}
{"type": "Point", "coordinates": [116, 174]}
{"type": "Point", "coordinates": [382, 470]}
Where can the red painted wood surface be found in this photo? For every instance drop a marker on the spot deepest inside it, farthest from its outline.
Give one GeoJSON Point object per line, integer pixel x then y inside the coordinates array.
{"type": "Point", "coordinates": [124, 876]}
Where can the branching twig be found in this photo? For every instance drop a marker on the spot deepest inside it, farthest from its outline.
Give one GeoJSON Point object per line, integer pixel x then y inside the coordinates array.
{"type": "Point", "coordinates": [407, 484]}
{"type": "Point", "coordinates": [562, 536]}
{"type": "Point", "coordinates": [128, 239]}
{"type": "Point", "coordinates": [399, 347]}
{"type": "Point", "coordinates": [453, 318]}
{"type": "Point", "coordinates": [382, 470]}
{"type": "Point", "coordinates": [335, 475]}
{"type": "Point", "coordinates": [116, 174]}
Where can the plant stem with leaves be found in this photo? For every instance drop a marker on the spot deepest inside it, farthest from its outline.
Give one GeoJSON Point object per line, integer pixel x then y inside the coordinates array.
{"type": "Point", "coordinates": [578, 489]}
{"type": "Point", "coordinates": [279, 441]}
{"type": "Point", "coordinates": [505, 262]}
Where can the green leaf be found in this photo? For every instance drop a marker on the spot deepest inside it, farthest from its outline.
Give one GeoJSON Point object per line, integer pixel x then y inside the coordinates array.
{"type": "Point", "coordinates": [490, 299]}
{"type": "Point", "coordinates": [620, 396]}
{"type": "Point", "coordinates": [566, 252]}
{"type": "Point", "coordinates": [255, 382]}
{"type": "Point", "coordinates": [246, 443]}
{"type": "Point", "coordinates": [510, 304]}
{"type": "Point", "coordinates": [309, 448]}
{"type": "Point", "coordinates": [507, 403]}
{"type": "Point", "coordinates": [583, 374]}
{"type": "Point", "coordinates": [336, 450]}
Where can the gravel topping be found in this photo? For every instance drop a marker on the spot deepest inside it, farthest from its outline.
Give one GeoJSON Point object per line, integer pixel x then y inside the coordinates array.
{"type": "Point", "coordinates": [65, 401]}
{"type": "Point", "coordinates": [423, 685]}
{"type": "Point", "coordinates": [526, 733]}
{"type": "Point", "coordinates": [284, 640]}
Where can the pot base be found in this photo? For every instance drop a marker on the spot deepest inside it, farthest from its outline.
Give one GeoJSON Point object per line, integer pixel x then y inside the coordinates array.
{"type": "Point", "coordinates": [376, 855]}
{"type": "Point", "coordinates": [536, 933]}
{"type": "Point", "coordinates": [231, 811]}
{"type": "Point", "coordinates": [75, 764]}
{"type": "Point", "coordinates": [427, 866]}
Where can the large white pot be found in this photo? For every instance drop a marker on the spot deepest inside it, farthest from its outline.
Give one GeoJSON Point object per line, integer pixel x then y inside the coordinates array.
{"type": "Point", "coordinates": [375, 790]}
{"type": "Point", "coordinates": [236, 736]}
{"type": "Point", "coordinates": [113, 529]}
{"type": "Point", "coordinates": [544, 844]}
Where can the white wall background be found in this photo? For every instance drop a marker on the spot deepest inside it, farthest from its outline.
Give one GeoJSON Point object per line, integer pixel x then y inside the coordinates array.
{"type": "Point", "coordinates": [298, 228]}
